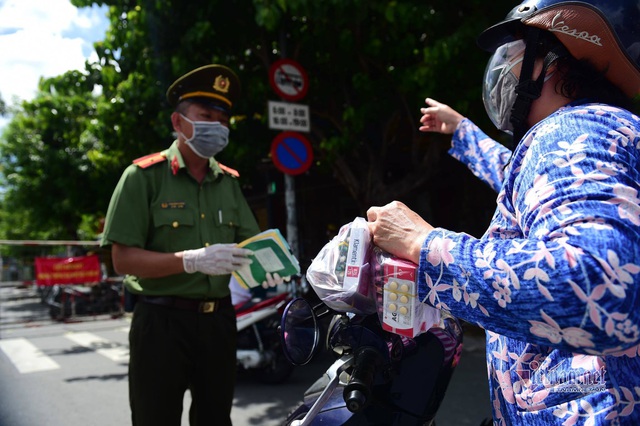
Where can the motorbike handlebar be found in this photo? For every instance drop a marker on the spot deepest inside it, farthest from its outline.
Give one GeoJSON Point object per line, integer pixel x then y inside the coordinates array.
{"type": "Point", "coordinates": [358, 390]}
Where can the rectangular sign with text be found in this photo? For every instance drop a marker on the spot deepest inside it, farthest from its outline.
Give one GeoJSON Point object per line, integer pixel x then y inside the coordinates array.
{"type": "Point", "coordinates": [289, 116]}
{"type": "Point", "coordinates": [69, 270]}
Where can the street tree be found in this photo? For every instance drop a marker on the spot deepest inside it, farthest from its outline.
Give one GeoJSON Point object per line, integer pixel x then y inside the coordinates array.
{"type": "Point", "coordinates": [46, 158]}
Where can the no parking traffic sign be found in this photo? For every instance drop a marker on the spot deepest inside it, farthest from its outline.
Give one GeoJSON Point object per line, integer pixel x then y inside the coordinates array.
{"type": "Point", "coordinates": [288, 79]}
{"type": "Point", "coordinates": [291, 153]}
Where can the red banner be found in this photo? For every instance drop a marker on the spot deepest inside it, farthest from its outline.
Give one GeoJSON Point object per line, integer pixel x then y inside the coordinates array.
{"type": "Point", "coordinates": [70, 270]}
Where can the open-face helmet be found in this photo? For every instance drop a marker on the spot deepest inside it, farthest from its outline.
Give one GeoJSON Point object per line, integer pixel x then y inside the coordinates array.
{"type": "Point", "coordinates": [604, 32]}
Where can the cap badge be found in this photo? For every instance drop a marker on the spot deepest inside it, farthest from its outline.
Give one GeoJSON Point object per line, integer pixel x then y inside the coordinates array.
{"type": "Point", "coordinates": [221, 84]}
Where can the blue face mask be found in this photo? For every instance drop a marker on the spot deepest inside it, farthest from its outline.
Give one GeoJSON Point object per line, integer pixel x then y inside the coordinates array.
{"type": "Point", "coordinates": [208, 137]}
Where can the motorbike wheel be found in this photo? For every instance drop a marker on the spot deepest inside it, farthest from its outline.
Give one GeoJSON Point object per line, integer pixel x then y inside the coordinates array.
{"type": "Point", "coordinates": [279, 368]}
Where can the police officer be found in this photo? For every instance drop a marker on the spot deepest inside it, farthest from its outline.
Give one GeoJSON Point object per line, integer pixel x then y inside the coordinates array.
{"type": "Point", "coordinates": [172, 223]}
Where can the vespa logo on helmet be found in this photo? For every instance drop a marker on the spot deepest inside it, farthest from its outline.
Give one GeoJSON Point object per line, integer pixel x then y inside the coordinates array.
{"type": "Point", "coordinates": [560, 27]}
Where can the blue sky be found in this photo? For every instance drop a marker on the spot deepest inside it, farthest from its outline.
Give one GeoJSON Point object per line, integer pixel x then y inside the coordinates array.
{"type": "Point", "coordinates": [43, 38]}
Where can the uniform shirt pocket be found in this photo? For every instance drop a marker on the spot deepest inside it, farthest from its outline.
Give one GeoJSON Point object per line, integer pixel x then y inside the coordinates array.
{"type": "Point", "coordinates": [173, 229]}
{"type": "Point", "coordinates": [227, 222]}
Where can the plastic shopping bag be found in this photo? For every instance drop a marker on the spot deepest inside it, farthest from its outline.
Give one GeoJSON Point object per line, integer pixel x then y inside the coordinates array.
{"type": "Point", "coordinates": [339, 274]}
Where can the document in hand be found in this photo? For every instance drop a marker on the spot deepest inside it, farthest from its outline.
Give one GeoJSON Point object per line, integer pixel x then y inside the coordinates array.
{"type": "Point", "coordinates": [271, 253]}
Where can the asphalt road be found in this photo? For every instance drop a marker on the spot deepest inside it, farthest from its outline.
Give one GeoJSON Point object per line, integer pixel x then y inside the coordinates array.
{"type": "Point", "coordinates": [79, 376]}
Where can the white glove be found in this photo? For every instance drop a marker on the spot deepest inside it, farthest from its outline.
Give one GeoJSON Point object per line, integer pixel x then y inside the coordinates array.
{"type": "Point", "coordinates": [274, 280]}
{"type": "Point", "coordinates": [217, 259]}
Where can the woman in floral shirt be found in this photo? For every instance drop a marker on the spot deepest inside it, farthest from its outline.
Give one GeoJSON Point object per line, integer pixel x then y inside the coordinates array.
{"type": "Point", "coordinates": [555, 280]}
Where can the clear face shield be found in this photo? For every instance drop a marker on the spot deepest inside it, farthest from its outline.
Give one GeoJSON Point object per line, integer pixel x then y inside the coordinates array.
{"type": "Point", "coordinates": [498, 91]}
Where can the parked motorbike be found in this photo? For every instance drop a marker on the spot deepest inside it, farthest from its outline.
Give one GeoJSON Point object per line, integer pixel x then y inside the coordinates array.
{"type": "Point", "coordinates": [69, 301]}
{"type": "Point", "coordinates": [378, 377]}
{"type": "Point", "coordinates": [259, 347]}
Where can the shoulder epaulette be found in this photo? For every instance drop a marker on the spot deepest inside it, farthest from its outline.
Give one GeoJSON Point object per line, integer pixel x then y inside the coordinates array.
{"type": "Point", "coordinates": [149, 160]}
{"type": "Point", "coordinates": [229, 170]}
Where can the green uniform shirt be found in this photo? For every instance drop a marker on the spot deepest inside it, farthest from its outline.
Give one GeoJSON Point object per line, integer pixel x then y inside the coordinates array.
{"type": "Point", "coordinates": [162, 208]}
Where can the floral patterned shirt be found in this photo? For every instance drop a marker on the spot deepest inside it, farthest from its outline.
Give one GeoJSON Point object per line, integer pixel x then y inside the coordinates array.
{"type": "Point", "coordinates": [555, 280]}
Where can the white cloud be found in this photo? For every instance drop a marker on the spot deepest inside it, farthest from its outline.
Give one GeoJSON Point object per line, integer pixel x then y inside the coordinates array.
{"type": "Point", "coordinates": [44, 38]}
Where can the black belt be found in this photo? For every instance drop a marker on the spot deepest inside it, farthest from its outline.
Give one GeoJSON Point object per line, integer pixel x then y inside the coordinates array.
{"type": "Point", "coordinates": [208, 306]}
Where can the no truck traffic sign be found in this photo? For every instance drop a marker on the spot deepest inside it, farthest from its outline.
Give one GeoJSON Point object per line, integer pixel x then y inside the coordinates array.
{"type": "Point", "coordinates": [288, 79]}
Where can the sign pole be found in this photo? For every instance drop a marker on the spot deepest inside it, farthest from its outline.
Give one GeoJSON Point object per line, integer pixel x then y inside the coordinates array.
{"type": "Point", "coordinates": [289, 184]}
{"type": "Point", "coordinates": [292, 221]}
{"type": "Point", "coordinates": [290, 82]}
{"type": "Point", "coordinates": [291, 153]}
{"type": "Point", "coordinates": [292, 216]}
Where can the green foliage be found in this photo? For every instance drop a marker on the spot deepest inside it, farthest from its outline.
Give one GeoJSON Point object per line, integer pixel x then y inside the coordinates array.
{"type": "Point", "coordinates": [370, 64]}
{"type": "Point", "coordinates": [46, 159]}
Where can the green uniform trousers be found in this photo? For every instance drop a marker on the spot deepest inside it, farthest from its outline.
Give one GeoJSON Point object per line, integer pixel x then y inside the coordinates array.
{"type": "Point", "coordinates": [172, 350]}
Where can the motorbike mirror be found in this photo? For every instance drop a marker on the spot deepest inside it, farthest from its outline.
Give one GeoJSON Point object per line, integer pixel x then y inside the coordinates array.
{"type": "Point", "coordinates": [299, 332]}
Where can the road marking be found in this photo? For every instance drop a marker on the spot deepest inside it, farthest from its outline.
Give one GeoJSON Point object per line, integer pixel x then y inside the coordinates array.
{"type": "Point", "coordinates": [26, 357]}
{"type": "Point", "coordinates": [113, 351]}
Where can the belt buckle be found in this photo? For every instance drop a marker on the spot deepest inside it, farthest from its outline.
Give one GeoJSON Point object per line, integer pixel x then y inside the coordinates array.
{"type": "Point", "coordinates": [207, 307]}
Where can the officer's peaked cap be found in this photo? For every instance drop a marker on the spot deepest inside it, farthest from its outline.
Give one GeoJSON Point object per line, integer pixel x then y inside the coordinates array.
{"type": "Point", "coordinates": [213, 83]}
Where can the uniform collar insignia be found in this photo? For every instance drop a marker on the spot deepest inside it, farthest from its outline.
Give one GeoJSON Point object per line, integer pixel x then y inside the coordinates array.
{"type": "Point", "coordinates": [175, 165]}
